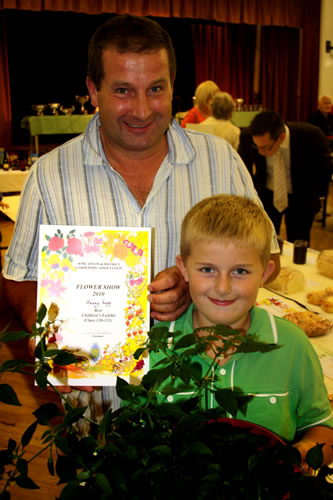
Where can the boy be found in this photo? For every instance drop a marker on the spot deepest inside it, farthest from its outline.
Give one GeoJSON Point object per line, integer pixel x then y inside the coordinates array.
{"type": "Point", "coordinates": [225, 258]}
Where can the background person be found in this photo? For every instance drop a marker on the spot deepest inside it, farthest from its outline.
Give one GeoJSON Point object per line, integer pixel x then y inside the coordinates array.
{"type": "Point", "coordinates": [203, 96]}
{"type": "Point", "coordinates": [222, 107]}
{"type": "Point", "coordinates": [225, 257]}
{"type": "Point", "coordinates": [134, 166]}
{"type": "Point", "coordinates": [323, 117]}
{"type": "Point", "coordinates": [292, 169]}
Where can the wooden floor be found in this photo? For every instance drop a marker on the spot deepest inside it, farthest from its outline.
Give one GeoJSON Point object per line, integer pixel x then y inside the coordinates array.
{"type": "Point", "coordinates": [14, 420]}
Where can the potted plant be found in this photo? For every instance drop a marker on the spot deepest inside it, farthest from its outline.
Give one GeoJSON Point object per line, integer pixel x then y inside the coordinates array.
{"type": "Point", "coordinates": [155, 449]}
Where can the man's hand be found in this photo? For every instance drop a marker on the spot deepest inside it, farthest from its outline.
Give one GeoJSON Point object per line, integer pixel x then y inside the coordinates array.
{"type": "Point", "coordinates": [169, 296]}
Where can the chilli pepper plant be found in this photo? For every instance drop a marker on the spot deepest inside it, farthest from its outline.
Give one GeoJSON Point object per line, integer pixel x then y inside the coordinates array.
{"type": "Point", "coordinates": [151, 449]}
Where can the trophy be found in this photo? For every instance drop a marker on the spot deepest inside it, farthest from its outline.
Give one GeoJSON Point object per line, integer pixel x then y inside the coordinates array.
{"type": "Point", "coordinates": [39, 108]}
{"type": "Point", "coordinates": [55, 108]}
{"type": "Point", "coordinates": [67, 111]}
{"type": "Point", "coordinates": [82, 99]}
{"type": "Point", "coordinates": [239, 103]}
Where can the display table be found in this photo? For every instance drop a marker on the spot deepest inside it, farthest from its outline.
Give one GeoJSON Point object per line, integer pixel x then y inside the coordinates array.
{"type": "Point", "coordinates": [243, 118]}
{"type": "Point", "coordinates": [54, 125]}
{"type": "Point", "coordinates": [314, 280]}
{"type": "Point", "coordinates": [11, 181]}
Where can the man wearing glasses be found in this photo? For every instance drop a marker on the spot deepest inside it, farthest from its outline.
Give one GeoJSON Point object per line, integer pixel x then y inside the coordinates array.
{"type": "Point", "coordinates": [290, 165]}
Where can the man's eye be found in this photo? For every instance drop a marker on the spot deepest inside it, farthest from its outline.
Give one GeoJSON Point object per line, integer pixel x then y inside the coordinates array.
{"type": "Point", "coordinates": [121, 90]}
{"type": "Point", "coordinates": [156, 89]}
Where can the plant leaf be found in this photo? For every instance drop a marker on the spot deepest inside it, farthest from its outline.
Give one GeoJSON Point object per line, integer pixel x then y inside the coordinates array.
{"type": "Point", "coordinates": [8, 395]}
{"type": "Point", "coordinates": [28, 433]}
{"type": "Point", "coordinates": [41, 378]}
{"type": "Point", "coordinates": [185, 341]}
{"type": "Point", "coordinates": [65, 358]}
{"type": "Point", "coordinates": [46, 412]}
{"type": "Point", "coordinates": [74, 415]}
{"type": "Point", "coordinates": [13, 336]}
{"type": "Point", "coordinates": [50, 466]}
{"type": "Point", "coordinates": [314, 457]}
{"type": "Point", "coordinates": [200, 448]}
{"type": "Point", "coordinates": [26, 482]}
{"type": "Point", "coordinates": [13, 365]}
{"type": "Point", "coordinates": [103, 483]}
{"type": "Point", "coordinates": [41, 313]}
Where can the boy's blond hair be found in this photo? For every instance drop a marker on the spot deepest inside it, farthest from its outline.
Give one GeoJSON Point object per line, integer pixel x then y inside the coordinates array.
{"type": "Point", "coordinates": [225, 218]}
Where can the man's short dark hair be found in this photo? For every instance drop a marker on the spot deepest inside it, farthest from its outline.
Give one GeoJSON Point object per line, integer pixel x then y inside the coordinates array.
{"type": "Point", "coordinates": [127, 33]}
{"type": "Point", "coordinates": [267, 121]}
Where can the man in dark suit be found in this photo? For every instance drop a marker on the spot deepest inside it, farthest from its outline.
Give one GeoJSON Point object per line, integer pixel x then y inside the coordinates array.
{"type": "Point", "coordinates": [290, 165]}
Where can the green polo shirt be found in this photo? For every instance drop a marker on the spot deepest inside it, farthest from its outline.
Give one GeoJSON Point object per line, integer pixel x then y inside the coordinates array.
{"type": "Point", "coordinates": [287, 384]}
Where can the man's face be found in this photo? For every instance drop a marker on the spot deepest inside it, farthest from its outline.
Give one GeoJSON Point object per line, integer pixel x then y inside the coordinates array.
{"type": "Point", "coordinates": [325, 105]}
{"type": "Point", "coordinates": [134, 100]}
{"type": "Point", "coordinates": [266, 145]}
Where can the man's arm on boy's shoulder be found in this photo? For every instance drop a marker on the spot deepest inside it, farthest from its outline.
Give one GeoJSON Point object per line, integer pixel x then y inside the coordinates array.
{"type": "Point", "coordinates": [22, 297]}
{"type": "Point", "coordinates": [317, 434]}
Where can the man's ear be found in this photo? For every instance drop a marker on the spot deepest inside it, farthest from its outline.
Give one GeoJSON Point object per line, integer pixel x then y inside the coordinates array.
{"type": "Point", "coordinates": [267, 272]}
{"type": "Point", "coordinates": [181, 266]}
{"type": "Point", "coordinates": [92, 92]}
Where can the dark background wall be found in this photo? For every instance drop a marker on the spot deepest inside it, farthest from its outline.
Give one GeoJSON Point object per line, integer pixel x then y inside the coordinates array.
{"type": "Point", "coordinates": [47, 55]}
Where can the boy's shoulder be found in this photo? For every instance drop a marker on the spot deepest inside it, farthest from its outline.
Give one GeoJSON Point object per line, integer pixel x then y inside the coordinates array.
{"type": "Point", "coordinates": [275, 329]}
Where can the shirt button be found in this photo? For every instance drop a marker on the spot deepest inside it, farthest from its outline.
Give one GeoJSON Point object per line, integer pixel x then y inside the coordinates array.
{"type": "Point", "coordinates": [170, 399]}
{"type": "Point", "coordinates": [222, 371]}
{"type": "Point", "coordinates": [272, 400]}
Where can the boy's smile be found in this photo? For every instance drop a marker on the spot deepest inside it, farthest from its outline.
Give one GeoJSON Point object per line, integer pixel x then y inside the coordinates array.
{"type": "Point", "coordinates": [224, 282]}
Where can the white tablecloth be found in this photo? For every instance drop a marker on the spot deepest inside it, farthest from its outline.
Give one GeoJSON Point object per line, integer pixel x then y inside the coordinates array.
{"type": "Point", "coordinates": [11, 181]}
{"type": "Point", "coordinates": [314, 280]}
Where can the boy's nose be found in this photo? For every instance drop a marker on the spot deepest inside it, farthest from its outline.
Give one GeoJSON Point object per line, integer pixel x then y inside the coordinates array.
{"type": "Point", "coordinates": [223, 285]}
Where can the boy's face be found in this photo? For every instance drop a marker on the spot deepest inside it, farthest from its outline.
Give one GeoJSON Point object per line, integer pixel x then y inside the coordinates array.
{"type": "Point", "coordinates": [223, 282]}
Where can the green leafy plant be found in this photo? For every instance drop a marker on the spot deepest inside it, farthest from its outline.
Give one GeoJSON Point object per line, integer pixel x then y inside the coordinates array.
{"type": "Point", "coordinates": [156, 450]}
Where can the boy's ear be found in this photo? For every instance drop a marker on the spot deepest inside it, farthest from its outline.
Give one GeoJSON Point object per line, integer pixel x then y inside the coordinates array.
{"type": "Point", "coordinates": [267, 272]}
{"type": "Point", "coordinates": [181, 266]}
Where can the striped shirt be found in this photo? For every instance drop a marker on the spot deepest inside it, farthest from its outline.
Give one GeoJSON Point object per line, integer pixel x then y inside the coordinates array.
{"type": "Point", "coordinates": [74, 184]}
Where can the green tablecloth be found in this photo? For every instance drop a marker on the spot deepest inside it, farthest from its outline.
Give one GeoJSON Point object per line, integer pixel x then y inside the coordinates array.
{"type": "Point", "coordinates": [61, 124]}
{"type": "Point", "coordinates": [243, 118]}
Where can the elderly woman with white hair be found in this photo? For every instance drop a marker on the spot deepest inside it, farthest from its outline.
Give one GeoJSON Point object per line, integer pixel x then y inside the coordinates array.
{"type": "Point", "coordinates": [222, 107]}
{"type": "Point", "coordinates": [203, 96]}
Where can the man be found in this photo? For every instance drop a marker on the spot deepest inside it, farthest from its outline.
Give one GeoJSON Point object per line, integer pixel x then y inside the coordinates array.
{"type": "Point", "coordinates": [323, 118]}
{"type": "Point", "coordinates": [291, 170]}
{"type": "Point", "coordinates": [134, 166]}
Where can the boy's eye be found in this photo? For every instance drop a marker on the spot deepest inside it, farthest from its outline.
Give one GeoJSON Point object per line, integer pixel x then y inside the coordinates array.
{"type": "Point", "coordinates": [207, 270]}
{"type": "Point", "coordinates": [240, 271]}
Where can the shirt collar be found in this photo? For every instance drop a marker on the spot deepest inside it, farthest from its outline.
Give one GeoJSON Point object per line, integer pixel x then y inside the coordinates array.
{"type": "Point", "coordinates": [180, 147]}
{"type": "Point", "coordinates": [286, 142]}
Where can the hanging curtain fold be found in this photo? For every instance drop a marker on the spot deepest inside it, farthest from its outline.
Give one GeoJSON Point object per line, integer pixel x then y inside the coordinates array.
{"type": "Point", "coordinates": [275, 12]}
{"type": "Point", "coordinates": [225, 54]}
{"type": "Point", "coordinates": [279, 70]}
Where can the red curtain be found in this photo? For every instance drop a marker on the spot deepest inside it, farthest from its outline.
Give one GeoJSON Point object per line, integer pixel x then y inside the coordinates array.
{"type": "Point", "coordinates": [274, 12]}
{"type": "Point", "coordinates": [225, 54]}
{"type": "Point", "coordinates": [5, 104]}
{"type": "Point", "coordinates": [279, 70]}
